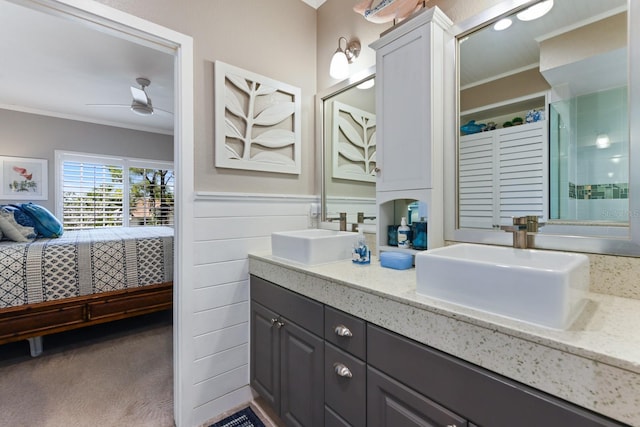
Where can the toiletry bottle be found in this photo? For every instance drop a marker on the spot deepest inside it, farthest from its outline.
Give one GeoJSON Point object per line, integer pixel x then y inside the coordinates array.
{"type": "Point", "coordinates": [361, 253]}
{"type": "Point", "coordinates": [403, 234]}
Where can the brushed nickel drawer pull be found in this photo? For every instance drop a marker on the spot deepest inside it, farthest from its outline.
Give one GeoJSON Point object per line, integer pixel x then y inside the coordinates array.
{"type": "Point", "coordinates": [343, 331]}
{"type": "Point", "coordinates": [342, 370]}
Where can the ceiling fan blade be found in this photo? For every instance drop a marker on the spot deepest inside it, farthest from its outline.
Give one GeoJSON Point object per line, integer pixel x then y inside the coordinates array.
{"type": "Point", "coordinates": [139, 95]}
{"type": "Point", "coordinates": [109, 105]}
{"type": "Point", "coordinates": [160, 110]}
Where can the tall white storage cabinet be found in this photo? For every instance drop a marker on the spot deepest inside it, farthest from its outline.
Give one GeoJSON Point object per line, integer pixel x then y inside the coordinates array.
{"type": "Point", "coordinates": [412, 83]}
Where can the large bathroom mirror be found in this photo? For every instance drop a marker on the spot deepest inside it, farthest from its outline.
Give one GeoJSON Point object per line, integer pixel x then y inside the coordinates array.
{"type": "Point", "coordinates": [547, 125]}
{"type": "Point", "coordinates": [346, 125]}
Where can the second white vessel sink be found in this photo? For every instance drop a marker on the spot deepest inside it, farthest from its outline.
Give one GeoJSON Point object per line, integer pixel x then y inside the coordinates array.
{"type": "Point", "coordinates": [313, 246]}
{"type": "Point", "coordinates": [542, 287]}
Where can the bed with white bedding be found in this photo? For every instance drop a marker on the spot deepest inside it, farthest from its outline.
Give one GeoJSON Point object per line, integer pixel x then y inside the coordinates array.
{"type": "Point", "coordinates": [83, 277]}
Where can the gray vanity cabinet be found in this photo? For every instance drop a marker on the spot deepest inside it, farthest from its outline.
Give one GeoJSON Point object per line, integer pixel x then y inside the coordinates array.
{"type": "Point", "coordinates": [476, 394]}
{"type": "Point", "coordinates": [287, 353]}
{"type": "Point", "coordinates": [318, 366]}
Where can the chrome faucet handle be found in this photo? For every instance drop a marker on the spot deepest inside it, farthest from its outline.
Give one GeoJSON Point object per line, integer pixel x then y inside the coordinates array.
{"type": "Point", "coordinates": [512, 228]}
{"type": "Point", "coordinates": [362, 217]}
{"type": "Point", "coordinates": [519, 231]}
{"type": "Point", "coordinates": [343, 220]}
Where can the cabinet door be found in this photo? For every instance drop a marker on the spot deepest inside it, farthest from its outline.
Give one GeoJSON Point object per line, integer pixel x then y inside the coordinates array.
{"type": "Point", "coordinates": [302, 376]}
{"type": "Point", "coordinates": [265, 354]}
{"type": "Point", "coordinates": [523, 171]}
{"type": "Point", "coordinates": [391, 404]}
{"type": "Point", "coordinates": [403, 105]}
{"type": "Point", "coordinates": [345, 385]}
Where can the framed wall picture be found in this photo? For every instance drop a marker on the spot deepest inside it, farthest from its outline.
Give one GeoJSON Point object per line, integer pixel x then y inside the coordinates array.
{"type": "Point", "coordinates": [257, 121]}
{"type": "Point", "coordinates": [23, 178]}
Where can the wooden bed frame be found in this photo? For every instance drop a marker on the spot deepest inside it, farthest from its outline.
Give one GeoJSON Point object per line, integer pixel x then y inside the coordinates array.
{"type": "Point", "coordinates": [32, 321]}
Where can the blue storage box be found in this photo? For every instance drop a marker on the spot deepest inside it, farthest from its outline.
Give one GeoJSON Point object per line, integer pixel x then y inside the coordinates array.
{"type": "Point", "coordinates": [396, 260]}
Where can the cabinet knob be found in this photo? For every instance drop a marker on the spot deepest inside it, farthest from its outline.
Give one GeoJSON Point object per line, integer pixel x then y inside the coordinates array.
{"type": "Point", "coordinates": [343, 331]}
{"type": "Point", "coordinates": [377, 170]}
{"type": "Point", "coordinates": [342, 370]}
{"type": "Point", "coordinates": [277, 322]}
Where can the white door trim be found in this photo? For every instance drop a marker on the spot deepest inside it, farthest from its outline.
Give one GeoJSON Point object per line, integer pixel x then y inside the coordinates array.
{"type": "Point", "coordinates": [138, 30]}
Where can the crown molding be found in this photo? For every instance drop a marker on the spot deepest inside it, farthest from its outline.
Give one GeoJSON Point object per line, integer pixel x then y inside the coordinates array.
{"type": "Point", "coordinates": [314, 3]}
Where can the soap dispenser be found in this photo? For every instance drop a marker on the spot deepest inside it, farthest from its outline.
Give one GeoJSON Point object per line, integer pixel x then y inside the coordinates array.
{"type": "Point", "coordinates": [361, 253]}
{"type": "Point", "coordinates": [403, 234]}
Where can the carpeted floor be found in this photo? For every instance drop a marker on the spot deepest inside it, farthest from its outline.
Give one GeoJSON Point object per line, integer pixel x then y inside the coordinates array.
{"type": "Point", "coordinates": [117, 374]}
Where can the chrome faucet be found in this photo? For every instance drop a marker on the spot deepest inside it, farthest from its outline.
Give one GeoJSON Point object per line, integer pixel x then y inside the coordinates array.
{"type": "Point", "coordinates": [361, 217]}
{"type": "Point", "coordinates": [519, 230]}
{"type": "Point", "coordinates": [343, 221]}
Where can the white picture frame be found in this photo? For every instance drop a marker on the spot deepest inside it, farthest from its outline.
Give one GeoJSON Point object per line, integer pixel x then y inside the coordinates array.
{"type": "Point", "coordinates": [257, 122]}
{"type": "Point", "coordinates": [23, 178]}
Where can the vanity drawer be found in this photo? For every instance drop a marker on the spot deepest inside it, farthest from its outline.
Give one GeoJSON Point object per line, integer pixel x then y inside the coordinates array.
{"type": "Point", "coordinates": [345, 385]}
{"type": "Point", "coordinates": [345, 331]}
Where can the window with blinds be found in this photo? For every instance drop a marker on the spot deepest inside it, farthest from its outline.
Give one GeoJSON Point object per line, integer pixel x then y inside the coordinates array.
{"type": "Point", "coordinates": [150, 196]}
{"type": "Point", "coordinates": [101, 191]}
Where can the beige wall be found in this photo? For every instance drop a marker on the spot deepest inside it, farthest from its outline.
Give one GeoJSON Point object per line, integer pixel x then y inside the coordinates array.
{"type": "Point", "coordinates": [32, 135]}
{"type": "Point", "coordinates": [274, 38]}
{"type": "Point", "coordinates": [286, 40]}
{"type": "Point", "coordinates": [510, 87]}
{"type": "Point", "coordinates": [584, 42]}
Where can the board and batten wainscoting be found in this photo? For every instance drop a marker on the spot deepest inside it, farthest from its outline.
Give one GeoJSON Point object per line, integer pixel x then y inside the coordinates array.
{"type": "Point", "coordinates": [226, 227]}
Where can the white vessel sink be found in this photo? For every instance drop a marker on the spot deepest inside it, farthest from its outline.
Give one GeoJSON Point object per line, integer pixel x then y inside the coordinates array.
{"type": "Point", "coordinates": [541, 287]}
{"type": "Point", "coordinates": [313, 246]}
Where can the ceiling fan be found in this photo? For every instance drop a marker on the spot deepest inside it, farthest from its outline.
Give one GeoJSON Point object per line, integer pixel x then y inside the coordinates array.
{"type": "Point", "coordinates": [141, 103]}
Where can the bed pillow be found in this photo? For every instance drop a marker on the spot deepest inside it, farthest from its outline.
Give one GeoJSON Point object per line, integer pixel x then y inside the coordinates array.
{"type": "Point", "coordinates": [20, 216]}
{"type": "Point", "coordinates": [46, 224]}
{"type": "Point", "coordinates": [14, 231]}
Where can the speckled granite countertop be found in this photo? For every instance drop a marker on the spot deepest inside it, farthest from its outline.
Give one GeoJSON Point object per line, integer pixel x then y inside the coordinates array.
{"type": "Point", "coordinates": [594, 364]}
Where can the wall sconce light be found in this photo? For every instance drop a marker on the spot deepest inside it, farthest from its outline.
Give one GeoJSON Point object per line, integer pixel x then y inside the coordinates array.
{"type": "Point", "coordinates": [339, 68]}
{"type": "Point", "coordinates": [603, 141]}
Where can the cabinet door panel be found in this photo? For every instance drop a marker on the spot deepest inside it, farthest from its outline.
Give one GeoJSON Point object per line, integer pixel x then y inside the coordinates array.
{"type": "Point", "coordinates": [301, 364]}
{"type": "Point", "coordinates": [403, 101]}
{"type": "Point", "coordinates": [331, 419]}
{"type": "Point", "coordinates": [345, 395]}
{"type": "Point", "coordinates": [265, 355]}
{"type": "Point", "coordinates": [392, 404]}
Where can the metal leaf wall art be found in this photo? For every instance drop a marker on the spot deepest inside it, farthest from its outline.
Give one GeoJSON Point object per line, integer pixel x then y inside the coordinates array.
{"type": "Point", "coordinates": [354, 143]}
{"type": "Point", "coordinates": [257, 122]}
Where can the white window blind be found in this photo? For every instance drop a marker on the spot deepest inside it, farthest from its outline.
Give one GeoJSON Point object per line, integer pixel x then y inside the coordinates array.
{"type": "Point", "coordinates": [151, 196]}
{"type": "Point", "coordinates": [102, 191]}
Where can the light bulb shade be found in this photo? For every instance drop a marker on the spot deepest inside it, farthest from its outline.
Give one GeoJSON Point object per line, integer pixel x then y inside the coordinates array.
{"type": "Point", "coordinates": [536, 11]}
{"type": "Point", "coordinates": [502, 24]}
{"type": "Point", "coordinates": [339, 68]}
{"type": "Point", "coordinates": [367, 84]}
{"type": "Point", "coordinates": [603, 141]}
